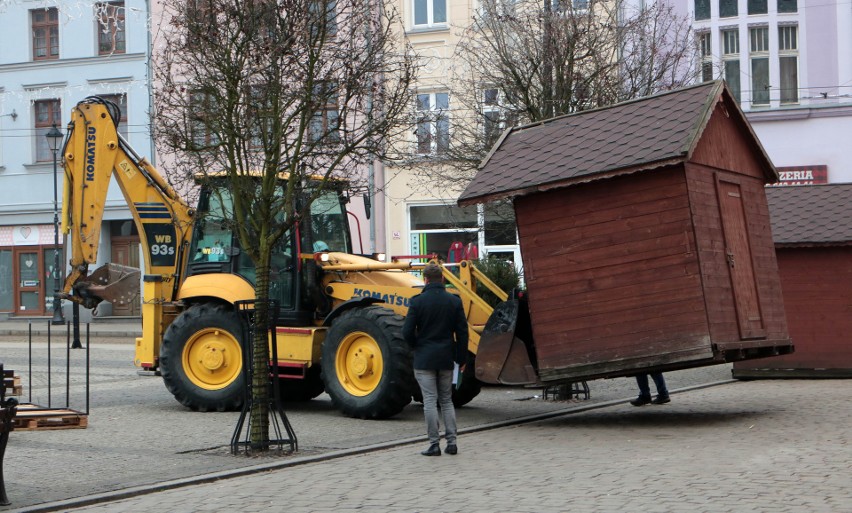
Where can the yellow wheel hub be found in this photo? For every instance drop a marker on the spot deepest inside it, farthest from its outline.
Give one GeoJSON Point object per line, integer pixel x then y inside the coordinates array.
{"type": "Point", "coordinates": [212, 359]}
{"type": "Point", "coordinates": [359, 363]}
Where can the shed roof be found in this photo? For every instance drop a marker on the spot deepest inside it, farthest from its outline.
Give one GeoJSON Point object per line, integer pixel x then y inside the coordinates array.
{"type": "Point", "coordinates": [811, 215]}
{"type": "Point", "coordinates": [624, 138]}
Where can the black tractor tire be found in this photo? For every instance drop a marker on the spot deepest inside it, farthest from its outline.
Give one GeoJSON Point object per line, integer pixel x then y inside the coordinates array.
{"type": "Point", "coordinates": [470, 386]}
{"type": "Point", "coordinates": [201, 359]}
{"type": "Point", "coordinates": [301, 390]}
{"type": "Point", "coordinates": [366, 364]}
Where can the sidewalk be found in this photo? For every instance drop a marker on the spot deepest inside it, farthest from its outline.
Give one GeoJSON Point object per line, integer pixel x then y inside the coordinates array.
{"type": "Point", "coordinates": [779, 446]}
{"type": "Point", "coordinates": [129, 327]}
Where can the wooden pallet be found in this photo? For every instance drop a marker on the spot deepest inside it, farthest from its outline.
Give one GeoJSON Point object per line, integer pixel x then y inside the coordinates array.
{"type": "Point", "coordinates": [32, 417]}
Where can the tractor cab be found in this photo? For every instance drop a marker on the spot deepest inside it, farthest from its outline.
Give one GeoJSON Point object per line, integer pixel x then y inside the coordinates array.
{"type": "Point", "coordinates": [215, 248]}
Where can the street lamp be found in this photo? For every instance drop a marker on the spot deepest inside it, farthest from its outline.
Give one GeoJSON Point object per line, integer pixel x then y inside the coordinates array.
{"type": "Point", "coordinates": [54, 137]}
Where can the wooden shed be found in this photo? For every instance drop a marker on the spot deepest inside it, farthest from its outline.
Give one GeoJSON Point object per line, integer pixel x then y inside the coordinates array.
{"type": "Point", "coordinates": [644, 233]}
{"type": "Point", "coordinates": [812, 229]}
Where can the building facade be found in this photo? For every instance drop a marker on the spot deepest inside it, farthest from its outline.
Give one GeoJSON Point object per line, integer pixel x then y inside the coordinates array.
{"type": "Point", "coordinates": [789, 62]}
{"type": "Point", "coordinates": [55, 54]}
{"type": "Point", "coordinates": [422, 217]}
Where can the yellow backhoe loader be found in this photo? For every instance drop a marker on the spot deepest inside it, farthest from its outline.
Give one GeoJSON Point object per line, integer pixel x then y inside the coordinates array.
{"type": "Point", "coordinates": [341, 314]}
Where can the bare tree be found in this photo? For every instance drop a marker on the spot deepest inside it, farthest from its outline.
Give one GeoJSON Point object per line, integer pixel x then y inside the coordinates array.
{"type": "Point", "coordinates": [272, 96]}
{"type": "Point", "coordinates": [522, 61]}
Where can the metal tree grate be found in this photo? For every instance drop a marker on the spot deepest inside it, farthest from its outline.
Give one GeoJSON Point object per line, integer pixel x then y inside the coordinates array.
{"type": "Point", "coordinates": [279, 425]}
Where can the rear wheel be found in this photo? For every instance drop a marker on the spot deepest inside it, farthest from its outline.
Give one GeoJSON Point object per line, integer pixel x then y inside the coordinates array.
{"type": "Point", "coordinates": [201, 359]}
{"type": "Point", "coordinates": [366, 364]}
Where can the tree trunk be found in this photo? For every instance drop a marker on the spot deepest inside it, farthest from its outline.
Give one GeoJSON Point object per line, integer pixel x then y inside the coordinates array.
{"type": "Point", "coordinates": [260, 380]}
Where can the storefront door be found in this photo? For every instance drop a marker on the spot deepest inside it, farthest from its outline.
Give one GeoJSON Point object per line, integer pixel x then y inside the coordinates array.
{"type": "Point", "coordinates": [28, 299]}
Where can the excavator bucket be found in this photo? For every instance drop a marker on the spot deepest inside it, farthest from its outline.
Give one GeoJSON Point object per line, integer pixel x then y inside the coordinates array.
{"type": "Point", "coordinates": [506, 354]}
{"type": "Point", "coordinates": [115, 283]}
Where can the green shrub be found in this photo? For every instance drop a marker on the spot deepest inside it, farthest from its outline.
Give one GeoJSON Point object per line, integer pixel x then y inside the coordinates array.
{"type": "Point", "coordinates": [502, 273]}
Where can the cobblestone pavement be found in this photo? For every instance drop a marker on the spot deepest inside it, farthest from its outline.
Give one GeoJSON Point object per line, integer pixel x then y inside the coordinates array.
{"type": "Point", "coordinates": [780, 446]}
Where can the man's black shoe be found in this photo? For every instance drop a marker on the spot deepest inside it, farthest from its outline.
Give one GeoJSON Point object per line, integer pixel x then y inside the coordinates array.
{"type": "Point", "coordinates": [433, 450]}
{"type": "Point", "coordinates": [662, 399]}
{"type": "Point", "coordinates": [641, 401]}
{"type": "Point", "coordinates": [451, 449]}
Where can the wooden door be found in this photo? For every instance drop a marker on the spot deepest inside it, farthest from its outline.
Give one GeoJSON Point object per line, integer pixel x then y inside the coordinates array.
{"type": "Point", "coordinates": [739, 258]}
{"type": "Point", "coordinates": [125, 251]}
{"type": "Point", "coordinates": [29, 287]}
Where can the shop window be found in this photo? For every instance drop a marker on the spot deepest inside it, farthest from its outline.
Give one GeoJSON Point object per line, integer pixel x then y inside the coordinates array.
{"type": "Point", "coordinates": [7, 284]}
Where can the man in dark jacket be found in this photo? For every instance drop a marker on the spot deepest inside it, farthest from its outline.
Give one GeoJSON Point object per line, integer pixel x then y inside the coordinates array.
{"type": "Point", "coordinates": [436, 328]}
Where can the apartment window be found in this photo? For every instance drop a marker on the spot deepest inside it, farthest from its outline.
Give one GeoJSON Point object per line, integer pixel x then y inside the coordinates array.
{"type": "Point", "coordinates": [201, 117]}
{"type": "Point", "coordinates": [433, 123]}
{"type": "Point", "coordinates": [757, 6]}
{"type": "Point", "coordinates": [47, 114]}
{"type": "Point", "coordinates": [201, 23]}
{"type": "Point", "coordinates": [787, 6]}
{"type": "Point", "coordinates": [727, 8]}
{"type": "Point", "coordinates": [496, 117]}
{"type": "Point", "coordinates": [788, 63]}
{"type": "Point", "coordinates": [428, 13]}
{"type": "Point", "coordinates": [731, 60]}
{"type": "Point", "coordinates": [120, 101]}
{"type": "Point", "coordinates": [45, 26]}
{"type": "Point", "coordinates": [759, 54]}
{"type": "Point", "coordinates": [110, 26]}
{"type": "Point", "coordinates": [702, 9]}
{"type": "Point", "coordinates": [325, 12]}
{"type": "Point", "coordinates": [706, 53]}
{"type": "Point", "coordinates": [325, 122]}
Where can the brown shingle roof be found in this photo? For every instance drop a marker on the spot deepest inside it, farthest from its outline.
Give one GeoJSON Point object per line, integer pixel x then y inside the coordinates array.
{"type": "Point", "coordinates": [589, 145]}
{"type": "Point", "coordinates": [804, 215]}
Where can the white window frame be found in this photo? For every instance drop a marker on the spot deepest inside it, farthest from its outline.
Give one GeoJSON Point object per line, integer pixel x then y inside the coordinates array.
{"type": "Point", "coordinates": [758, 49]}
{"type": "Point", "coordinates": [431, 117]}
{"type": "Point", "coordinates": [705, 50]}
{"type": "Point", "coordinates": [788, 48]}
{"type": "Point", "coordinates": [483, 248]}
{"type": "Point", "coordinates": [730, 39]}
{"type": "Point", "coordinates": [430, 14]}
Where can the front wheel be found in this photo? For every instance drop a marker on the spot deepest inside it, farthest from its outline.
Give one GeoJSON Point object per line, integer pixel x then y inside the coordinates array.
{"type": "Point", "coordinates": [201, 359]}
{"type": "Point", "coordinates": [366, 364]}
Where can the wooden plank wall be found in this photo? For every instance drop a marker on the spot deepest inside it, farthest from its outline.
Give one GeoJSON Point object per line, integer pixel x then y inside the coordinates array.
{"type": "Point", "coordinates": [612, 272]}
{"type": "Point", "coordinates": [721, 309]}
{"type": "Point", "coordinates": [817, 287]}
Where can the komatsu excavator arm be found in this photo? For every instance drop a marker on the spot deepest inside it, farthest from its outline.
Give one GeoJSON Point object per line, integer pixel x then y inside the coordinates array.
{"type": "Point", "coordinates": [93, 150]}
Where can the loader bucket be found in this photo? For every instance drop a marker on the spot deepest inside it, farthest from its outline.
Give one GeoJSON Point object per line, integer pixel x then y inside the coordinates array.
{"type": "Point", "coordinates": [115, 283]}
{"type": "Point", "coordinates": [506, 354]}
